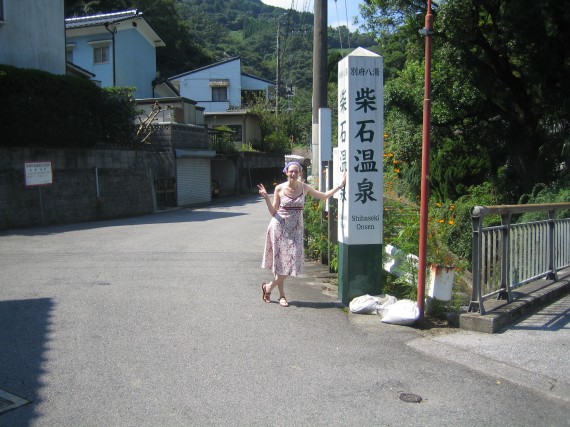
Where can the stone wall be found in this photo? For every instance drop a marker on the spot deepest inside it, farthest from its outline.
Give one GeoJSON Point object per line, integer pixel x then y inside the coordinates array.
{"type": "Point", "coordinates": [87, 185]}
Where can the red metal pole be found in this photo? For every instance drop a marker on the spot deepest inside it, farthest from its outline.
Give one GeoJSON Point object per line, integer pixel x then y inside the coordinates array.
{"type": "Point", "coordinates": [424, 195]}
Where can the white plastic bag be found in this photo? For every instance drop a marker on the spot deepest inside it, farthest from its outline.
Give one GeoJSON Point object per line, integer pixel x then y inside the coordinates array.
{"type": "Point", "coordinates": [365, 304]}
{"type": "Point", "coordinates": [403, 312]}
{"type": "Point", "coordinates": [385, 302]}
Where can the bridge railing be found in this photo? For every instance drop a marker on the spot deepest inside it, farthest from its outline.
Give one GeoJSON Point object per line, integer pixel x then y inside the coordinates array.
{"type": "Point", "coordinates": [510, 255]}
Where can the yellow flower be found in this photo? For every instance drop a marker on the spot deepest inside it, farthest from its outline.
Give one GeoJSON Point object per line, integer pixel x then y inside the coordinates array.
{"type": "Point", "coordinates": [451, 222]}
{"type": "Point", "coordinates": [438, 205]}
{"type": "Point", "coordinates": [441, 221]}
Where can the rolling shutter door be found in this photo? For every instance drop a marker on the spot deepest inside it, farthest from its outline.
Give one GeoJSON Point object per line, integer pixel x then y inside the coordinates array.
{"type": "Point", "coordinates": [193, 181]}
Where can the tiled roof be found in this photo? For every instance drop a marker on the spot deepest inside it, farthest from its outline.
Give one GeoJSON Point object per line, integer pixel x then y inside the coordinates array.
{"type": "Point", "coordinates": [101, 19]}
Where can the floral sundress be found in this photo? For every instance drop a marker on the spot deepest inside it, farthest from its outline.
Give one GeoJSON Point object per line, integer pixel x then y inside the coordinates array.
{"type": "Point", "coordinates": [284, 247]}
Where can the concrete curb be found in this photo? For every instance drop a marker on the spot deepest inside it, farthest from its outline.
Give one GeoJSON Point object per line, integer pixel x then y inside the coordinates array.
{"type": "Point", "coordinates": [528, 299]}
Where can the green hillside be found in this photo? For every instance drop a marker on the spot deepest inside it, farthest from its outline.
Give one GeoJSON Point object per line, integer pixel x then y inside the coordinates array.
{"type": "Point", "coordinates": [201, 32]}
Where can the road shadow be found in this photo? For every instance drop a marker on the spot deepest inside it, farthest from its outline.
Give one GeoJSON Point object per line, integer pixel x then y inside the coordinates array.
{"type": "Point", "coordinates": [552, 318]}
{"type": "Point", "coordinates": [24, 338]}
{"type": "Point", "coordinates": [200, 213]}
{"type": "Point", "coordinates": [317, 305]}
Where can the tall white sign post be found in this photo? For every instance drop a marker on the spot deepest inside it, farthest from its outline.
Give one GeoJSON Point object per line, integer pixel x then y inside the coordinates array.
{"type": "Point", "coordinates": [360, 154]}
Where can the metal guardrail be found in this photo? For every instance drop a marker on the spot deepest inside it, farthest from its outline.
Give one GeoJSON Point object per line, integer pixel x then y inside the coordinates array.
{"type": "Point", "coordinates": [510, 255]}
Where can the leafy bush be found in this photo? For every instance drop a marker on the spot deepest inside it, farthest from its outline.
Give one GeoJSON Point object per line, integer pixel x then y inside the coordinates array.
{"type": "Point", "coordinates": [118, 114]}
{"type": "Point", "coordinates": [277, 142]}
{"type": "Point", "coordinates": [315, 229]}
{"type": "Point", "coordinates": [248, 147]}
{"type": "Point", "coordinates": [223, 141]}
{"type": "Point", "coordinates": [558, 192]}
{"type": "Point", "coordinates": [41, 109]}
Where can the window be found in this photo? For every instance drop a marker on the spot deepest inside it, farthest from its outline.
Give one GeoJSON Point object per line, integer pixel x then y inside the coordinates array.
{"type": "Point", "coordinates": [1, 10]}
{"type": "Point", "coordinates": [101, 54]}
{"type": "Point", "coordinates": [219, 94]}
{"type": "Point", "coordinates": [100, 51]}
{"type": "Point", "coordinates": [68, 51]}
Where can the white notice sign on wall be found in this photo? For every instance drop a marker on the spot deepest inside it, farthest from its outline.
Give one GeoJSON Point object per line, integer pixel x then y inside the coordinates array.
{"type": "Point", "coordinates": [38, 173]}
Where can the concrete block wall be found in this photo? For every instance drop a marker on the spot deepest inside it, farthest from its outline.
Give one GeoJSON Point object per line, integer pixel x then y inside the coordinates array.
{"type": "Point", "coordinates": [87, 185]}
{"type": "Point", "coordinates": [174, 135]}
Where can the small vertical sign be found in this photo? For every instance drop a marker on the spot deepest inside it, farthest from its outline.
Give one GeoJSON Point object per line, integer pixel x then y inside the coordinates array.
{"type": "Point", "coordinates": [360, 154]}
{"type": "Point", "coordinates": [38, 174]}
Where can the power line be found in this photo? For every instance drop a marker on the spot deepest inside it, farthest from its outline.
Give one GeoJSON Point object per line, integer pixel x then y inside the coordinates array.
{"type": "Point", "coordinates": [348, 32]}
{"type": "Point", "coordinates": [338, 26]}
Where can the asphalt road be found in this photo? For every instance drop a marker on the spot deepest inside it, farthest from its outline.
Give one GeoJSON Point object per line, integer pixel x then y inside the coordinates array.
{"type": "Point", "coordinates": [158, 321]}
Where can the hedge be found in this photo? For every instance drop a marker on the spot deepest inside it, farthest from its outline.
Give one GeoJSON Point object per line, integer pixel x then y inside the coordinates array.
{"type": "Point", "coordinates": [40, 109]}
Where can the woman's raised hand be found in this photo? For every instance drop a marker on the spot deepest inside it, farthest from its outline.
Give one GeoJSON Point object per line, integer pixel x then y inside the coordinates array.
{"type": "Point", "coordinates": [262, 191]}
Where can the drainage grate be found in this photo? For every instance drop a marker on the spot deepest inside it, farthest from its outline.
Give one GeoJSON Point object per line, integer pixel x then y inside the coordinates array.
{"type": "Point", "coordinates": [410, 398]}
{"type": "Point", "coordinates": [9, 401]}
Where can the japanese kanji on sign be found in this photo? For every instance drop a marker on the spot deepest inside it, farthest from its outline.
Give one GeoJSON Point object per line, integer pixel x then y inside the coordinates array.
{"type": "Point", "coordinates": [360, 147]}
{"type": "Point", "coordinates": [38, 173]}
{"type": "Point", "coordinates": [360, 154]}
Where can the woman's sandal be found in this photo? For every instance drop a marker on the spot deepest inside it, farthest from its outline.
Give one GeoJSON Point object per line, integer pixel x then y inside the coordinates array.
{"type": "Point", "coordinates": [283, 302]}
{"type": "Point", "coordinates": [266, 295]}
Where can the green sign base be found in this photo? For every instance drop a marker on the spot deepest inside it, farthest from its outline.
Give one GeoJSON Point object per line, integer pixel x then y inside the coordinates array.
{"type": "Point", "coordinates": [359, 271]}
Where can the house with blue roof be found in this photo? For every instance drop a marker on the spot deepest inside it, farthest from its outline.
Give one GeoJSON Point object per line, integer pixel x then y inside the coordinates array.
{"type": "Point", "coordinates": [118, 48]}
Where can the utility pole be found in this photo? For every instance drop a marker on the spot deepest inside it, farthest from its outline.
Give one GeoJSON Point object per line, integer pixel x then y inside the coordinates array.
{"type": "Point", "coordinates": [319, 78]}
{"type": "Point", "coordinates": [278, 66]}
{"type": "Point", "coordinates": [424, 189]}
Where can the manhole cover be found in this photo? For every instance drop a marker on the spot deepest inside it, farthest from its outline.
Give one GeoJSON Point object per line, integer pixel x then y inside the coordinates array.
{"type": "Point", "coordinates": [410, 398]}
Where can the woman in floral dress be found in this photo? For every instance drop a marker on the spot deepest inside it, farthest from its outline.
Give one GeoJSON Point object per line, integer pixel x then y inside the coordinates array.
{"type": "Point", "coordinates": [283, 253]}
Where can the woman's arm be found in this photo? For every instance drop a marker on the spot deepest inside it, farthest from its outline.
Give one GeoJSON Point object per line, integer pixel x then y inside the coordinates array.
{"type": "Point", "coordinates": [272, 207]}
{"type": "Point", "coordinates": [324, 196]}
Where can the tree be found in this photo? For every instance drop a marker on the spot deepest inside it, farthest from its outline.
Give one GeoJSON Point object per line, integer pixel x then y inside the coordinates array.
{"type": "Point", "coordinates": [499, 94]}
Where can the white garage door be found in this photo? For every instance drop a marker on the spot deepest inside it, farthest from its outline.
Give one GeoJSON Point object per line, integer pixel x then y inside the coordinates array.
{"type": "Point", "coordinates": [193, 181]}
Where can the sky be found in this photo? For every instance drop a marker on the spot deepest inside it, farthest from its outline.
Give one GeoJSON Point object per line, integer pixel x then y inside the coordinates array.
{"type": "Point", "coordinates": [338, 10]}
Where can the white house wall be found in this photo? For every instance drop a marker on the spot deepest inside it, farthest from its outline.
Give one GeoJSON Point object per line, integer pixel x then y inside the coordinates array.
{"type": "Point", "coordinates": [196, 85]}
{"type": "Point", "coordinates": [33, 35]}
